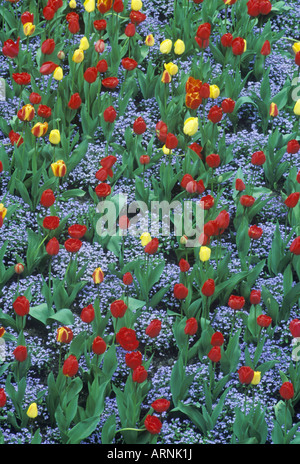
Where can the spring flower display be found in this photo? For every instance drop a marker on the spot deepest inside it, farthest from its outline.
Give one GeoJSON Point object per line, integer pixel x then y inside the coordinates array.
{"type": "Point", "coordinates": [150, 224]}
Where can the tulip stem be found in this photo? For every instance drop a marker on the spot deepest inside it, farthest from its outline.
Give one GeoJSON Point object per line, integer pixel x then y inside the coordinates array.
{"type": "Point", "coordinates": [49, 282]}
{"type": "Point", "coordinates": [45, 238]}
{"type": "Point", "coordinates": [132, 429]}
{"type": "Point", "coordinates": [34, 159]}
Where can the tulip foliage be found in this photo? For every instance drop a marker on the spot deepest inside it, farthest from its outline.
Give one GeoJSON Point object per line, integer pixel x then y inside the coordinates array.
{"type": "Point", "coordinates": [113, 122]}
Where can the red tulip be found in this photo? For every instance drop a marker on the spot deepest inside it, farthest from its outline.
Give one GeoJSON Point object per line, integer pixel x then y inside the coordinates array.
{"type": "Point", "coordinates": [263, 320]}
{"type": "Point", "coordinates": [215, 354]}
{"type": "Point", "coordinates": [160, 405]}
{"type": "Point", "coordinates": [191, 326]}
{"type": "Point", "coordinates": [88, 314]}
{"type": "Point", "coordinates": [48, 67]}
{"type": "Point", "coordinates": [134, 359]}
{"type": "Point", "coordinates": [295, 246]}
{"type": "Point", "coordinates": [139, 374]}
{"type": "Point", "coordinates": [73, 245]}
{"type": "Point", "coordinates": [99, 345]}
{"type": "Point", "coordinates": [109, 114]}
{"type": "Point", "coordinates": [153, 328]}
{"type": "Point", "coordinates": [236, 302]}
{"type": "Point", "coordinates": [255, 232]}
{"type": "Point", "coordinates": [48, 46]}
{"type": "Point", "coordinates": [52, 247]}
{"type": "Point", "coordinates": [75, 101]}
{"type": "Point", "coordinates": [208, 288]}
{"type": "Point", "coordinates": [292, 200]}
{"type": "Point", "coordinates": [153, 424]}
{"type": "Point", "coordinates": [217, 339]}
{"type": "Point", "coordinates": [139, 126]}
{"type": "Point", "coordinates": [246, 375]}
{"type": "Point", "coordinates": [70, 366]}
{"type": "Point", "coordinates": [287, 391]}
{"type": "Point", "coordinates": [11, 48]}
{"type": "Point", "coordinates": [90, 75]}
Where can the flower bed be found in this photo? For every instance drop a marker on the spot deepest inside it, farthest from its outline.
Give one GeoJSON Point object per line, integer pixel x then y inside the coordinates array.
{"type": "Point", "coordinates": [149, 277]}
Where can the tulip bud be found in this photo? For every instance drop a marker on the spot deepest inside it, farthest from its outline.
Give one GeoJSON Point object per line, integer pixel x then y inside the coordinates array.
{"type": "Point", "coordinates": [190, 126]}
{"type": "Point", "coordinates": [214, 91]}
{"type": "Point", "coordinates": [166, 151]}
{"type": "Point", "coordinates": [98, 275]}
{"type": "Point", "coordinates": [296, 47]}
{"type": "Point", "coordinates": [89, 6]}
{"type": "Point", "coordinates": [84, 44]}
{"type": "Point", "coordinates": [54, 136]}
{"type": "Point", "coordinates": [166, 77]}
{"type": "Point", "coordinates": [32, 411]}
{"type": "Point", "coordinates": [171, 68]}
{"type": "Point", "coordinates": [61, 55]}
{"type": "Point", "coordinates": [256, 378]}
{"type": "Point", "coordinates": [58, 74]}
{"type": "Point", "coordinates": [150, 40]}
{"type": "Point", "coordinates": [19, 268]}
{"type": "Point", "coordinates": [78, 56]}
{"type": "Point", "coordinates": [3, 211]}
{"type": "Point", "coordinates": [273, 110]}
{"type": "Point", "coordinates": [166, 46]}
{"type": "Point", "coordinates": [179, 47]}
{"type": "Point", "coordinates": [183, 240]}
{"type": "Point", "coordinates": [72, 4]}
{"type": "Point", "coordinates": [297, 108]}
{"type": "Point", "coordinates": [39, 129]}
{"type": "Point", "coordinates": [28, 29]}
{"type": "Point", "coordinates": [136, 5]}
{"type": "Point", "coordinates": [59, 168]}
{"type": "Point", "coordinates": [145, 238]}
{"type": "Point", "coordinates": [100, 46]}
{"type": "Point", "coordinates": [204, 253]}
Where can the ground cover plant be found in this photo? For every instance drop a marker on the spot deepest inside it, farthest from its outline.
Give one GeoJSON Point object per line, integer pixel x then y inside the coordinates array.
{"type": "Point", "coordinates": [179, 324]}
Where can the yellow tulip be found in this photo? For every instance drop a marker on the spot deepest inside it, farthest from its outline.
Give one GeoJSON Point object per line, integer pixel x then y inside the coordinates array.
{"type": "Point", "coordinates": [179, 47]}
{"type": "Point", "coordinates": [273, 110]}
{"type": "Point", "coordinates": [166, 46]}
{"type": "Point", "coordinates": [58, 73]}
{"type": "Point", "coordinates": [3, 210]}
{"type": "Point", "coordinates": [256, 378]}
{"type": "Point", "coordinates": [183, 240]}
{"type": "Point", "coordinates": [204, 253]}
{"type": "Point", "coordinates": [54, 136]}
{"type": "Point", "coordinates": [39, 129]}
{"type": "Point", "coordinates": [171, 68]}
{"type": "Point", "coordinates": [296, 47]}
{"type": "Point", "coordinates": [59, 168]}
{"type": "Point", "coordinates": [166, 77]}
{"type": "Point", "coordinates": [145, 238]}
{"type": "Point", "coordinates": [98, 275]}
{"type": "Point", "coordinates": [136, 5]}
{"type": "Point", "coordinates": [84, 44]}
{"type": "Point", "coordinates": [28, 29]}
{"type": "Point", "coordinates": [190, 126]}
{"type": "Point", "coordinates": [78, 56]}
{"type": "Point", "coordinates": [214, 91]}
{"type": "Point", "coordinates": [72, 4]}
{"type": "Point", "coordinates": [297, 108]}
{"type": "Point", "coordinates": [32, 411]}
{"type": "Point", "coordinates": [150, 40]}
{"type": "Point", "coordinates": [26, 113]}
{"type": "Point", "coordinates": [89, 6]}
{"type": "Point", "coordinates": [166, 151]}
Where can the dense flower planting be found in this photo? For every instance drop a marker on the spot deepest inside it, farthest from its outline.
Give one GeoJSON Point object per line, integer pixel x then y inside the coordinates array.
{"type": "Point", "coordinates": [156, 336]}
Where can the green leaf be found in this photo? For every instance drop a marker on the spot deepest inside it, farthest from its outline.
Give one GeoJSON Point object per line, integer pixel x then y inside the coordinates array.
{"type": "Point", "coordinates": [64, 316]}
{"type": "Point", "coordinates": [108, 430]}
